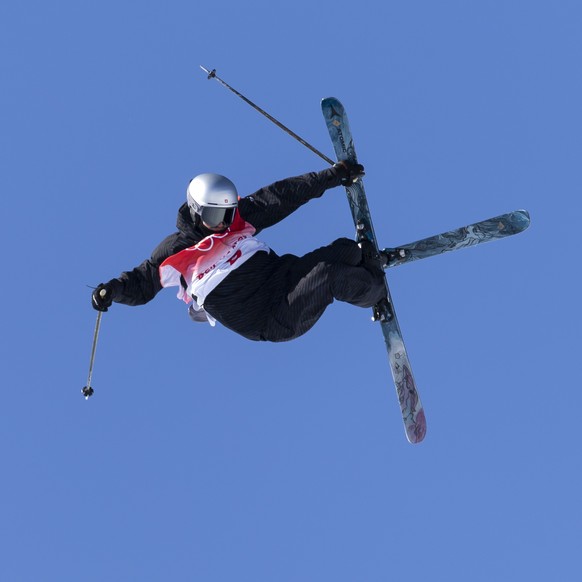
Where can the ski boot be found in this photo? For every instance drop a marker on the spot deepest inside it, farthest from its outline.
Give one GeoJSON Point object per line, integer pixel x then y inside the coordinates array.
{"type": "Point", "coordinates": [377, 260]}
{"type": "Point", "coordinates": [383, 311]}
{"type": "Point", "coordinates": [372, 257]}
{"type": "Point", "coordinates": [381, 259]}
{"type": "Point", "coordinates": [393, 256]}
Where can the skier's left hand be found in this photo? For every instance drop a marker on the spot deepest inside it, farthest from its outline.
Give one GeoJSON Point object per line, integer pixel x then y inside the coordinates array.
{"type": "Point", "coordinates": [349, 172]}
{"type": "Point", "coordinates": [102, 297]}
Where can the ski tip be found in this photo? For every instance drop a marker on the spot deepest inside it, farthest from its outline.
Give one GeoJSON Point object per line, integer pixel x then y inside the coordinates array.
{"type": "Point", "coordinates": [525, 215]}
{"type": "Point", "coordinates": [522, 219]}
{"type": "Point", "coordinates": [416, 431]}
{"type": "Point", "coordinates": [331, 102]}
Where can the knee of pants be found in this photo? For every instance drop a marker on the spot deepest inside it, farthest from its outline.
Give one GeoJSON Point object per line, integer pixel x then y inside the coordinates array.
{"type": "Point", "coordinates": [356, 285]}
{"type": "Point", "coordinates": [347, 251]}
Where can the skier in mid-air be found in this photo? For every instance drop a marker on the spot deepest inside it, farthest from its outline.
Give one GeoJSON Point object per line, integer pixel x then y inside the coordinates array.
{"type": "Point", "coordinates": [226, 274]}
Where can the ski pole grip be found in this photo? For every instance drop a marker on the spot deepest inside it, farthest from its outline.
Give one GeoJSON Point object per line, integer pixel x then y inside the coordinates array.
{"type": "Point", "coordinates": [102, 293]}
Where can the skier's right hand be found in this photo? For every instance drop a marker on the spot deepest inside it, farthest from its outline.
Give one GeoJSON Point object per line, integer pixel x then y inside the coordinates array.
{"type": "Point", "coordinates": [102, 297]}
{"type": "Point", "coordinates": [348, 172]}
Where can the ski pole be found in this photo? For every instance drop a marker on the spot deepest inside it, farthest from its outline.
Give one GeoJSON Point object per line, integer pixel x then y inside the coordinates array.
{"type": "Point", "coordinates": [87, 391]}
{"type": "Point", "coordinates": [212, 75]}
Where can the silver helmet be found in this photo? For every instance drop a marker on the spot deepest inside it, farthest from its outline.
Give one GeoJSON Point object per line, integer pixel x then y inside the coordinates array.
{"type": "Point", "coordinates": [214, 199]}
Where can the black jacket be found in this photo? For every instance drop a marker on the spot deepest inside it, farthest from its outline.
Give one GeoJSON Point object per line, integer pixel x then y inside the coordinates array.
{"type": "Point", "coordinates": [262, 209]}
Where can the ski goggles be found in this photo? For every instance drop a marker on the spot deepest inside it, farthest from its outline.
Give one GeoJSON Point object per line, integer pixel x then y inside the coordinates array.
{"type": "Point", "coordinates": [213, 216]}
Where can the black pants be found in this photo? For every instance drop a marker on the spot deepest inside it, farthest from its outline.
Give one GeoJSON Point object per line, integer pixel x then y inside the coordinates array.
{"type": "Point", "coordinates": [279, 298]}
{"type": "Point", "coordinates": [315, 280]}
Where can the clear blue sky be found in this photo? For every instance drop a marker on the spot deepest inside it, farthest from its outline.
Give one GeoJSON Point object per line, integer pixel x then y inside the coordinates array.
{"type": "Point", "coordinates": [203, 456]}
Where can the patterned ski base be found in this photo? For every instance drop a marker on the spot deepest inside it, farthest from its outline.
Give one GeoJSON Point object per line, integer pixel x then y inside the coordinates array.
{"type": "Point", "coordinates": [460, 238]}
{"type": "Point", "coordinates": [412, 411]}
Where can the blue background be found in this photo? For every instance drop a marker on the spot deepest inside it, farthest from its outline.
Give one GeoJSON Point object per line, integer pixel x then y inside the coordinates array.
{"type": "Point", "coordinates": [203, 456]}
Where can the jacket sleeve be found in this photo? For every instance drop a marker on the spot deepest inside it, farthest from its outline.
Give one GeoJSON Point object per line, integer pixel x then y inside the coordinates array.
{"type": "Point", "coordinates": [273, 203]}
{"type": "Point", "coordinates": [142, 284]}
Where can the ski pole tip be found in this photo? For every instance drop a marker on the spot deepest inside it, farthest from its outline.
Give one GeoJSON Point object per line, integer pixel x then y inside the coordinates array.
{"type": "Point", "coordinates": [87, 392]}
{"type": "Point", "coordinates": [211, 74]}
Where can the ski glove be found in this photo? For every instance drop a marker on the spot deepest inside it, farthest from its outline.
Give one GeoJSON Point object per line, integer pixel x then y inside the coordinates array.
{"type": "Point", "coordinates": [348, 172]}
{"type": "Point", "coordinates": [102, 297]}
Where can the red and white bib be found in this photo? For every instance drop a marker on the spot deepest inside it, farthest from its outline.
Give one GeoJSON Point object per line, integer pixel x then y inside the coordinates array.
{"type": "Point", "coordinates": [208, 262]}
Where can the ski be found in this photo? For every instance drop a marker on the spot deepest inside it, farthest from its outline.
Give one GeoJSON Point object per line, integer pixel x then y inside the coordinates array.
{"type": "Point", "coordinates": [460, 238]}
{"type": "Point", "coordinates": [410, 404]}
